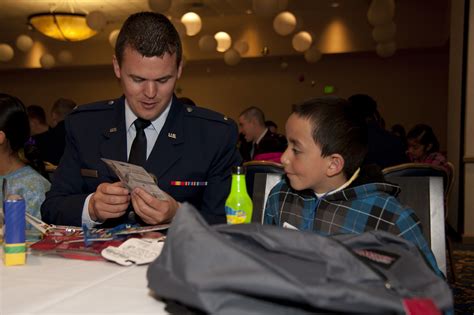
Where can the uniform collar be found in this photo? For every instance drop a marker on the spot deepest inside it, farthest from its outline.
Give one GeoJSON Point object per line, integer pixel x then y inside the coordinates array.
{"type": "Point", "coordinates": [130, 116]}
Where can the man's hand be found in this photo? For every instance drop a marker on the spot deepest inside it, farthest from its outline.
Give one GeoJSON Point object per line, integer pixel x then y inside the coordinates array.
{"type": "Point", "coordinates": [153, 211]}
{"type": "Point", "coordinates": [108, 201]}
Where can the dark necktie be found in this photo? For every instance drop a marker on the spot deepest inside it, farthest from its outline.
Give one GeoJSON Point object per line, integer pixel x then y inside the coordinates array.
{"type": "Point", "coordinates": [138, 150]}
{"type": "Point", "coordinates": [252, 151]}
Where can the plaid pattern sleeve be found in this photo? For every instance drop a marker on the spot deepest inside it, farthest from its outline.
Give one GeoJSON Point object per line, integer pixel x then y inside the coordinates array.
{"type": "Point", "coordinates": [410, 229]}
{"type": "Point", "coordinates": [273, 205]}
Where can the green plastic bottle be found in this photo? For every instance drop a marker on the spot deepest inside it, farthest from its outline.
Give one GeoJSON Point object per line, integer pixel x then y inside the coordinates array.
{"type": "Point", "coordinates": [238, 206]}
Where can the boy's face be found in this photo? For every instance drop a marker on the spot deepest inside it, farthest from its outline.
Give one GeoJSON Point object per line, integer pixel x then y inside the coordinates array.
{"type": "Point", "coordinates": [304, 165]}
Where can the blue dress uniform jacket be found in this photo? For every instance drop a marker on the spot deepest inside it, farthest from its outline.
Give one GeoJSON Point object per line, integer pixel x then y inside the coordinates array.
{"type": "Point", "coordinates": [195, 144]}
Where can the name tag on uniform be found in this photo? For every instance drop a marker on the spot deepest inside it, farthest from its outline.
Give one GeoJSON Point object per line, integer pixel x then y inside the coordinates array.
{"type": "Point", "coordinates": [87, 172]}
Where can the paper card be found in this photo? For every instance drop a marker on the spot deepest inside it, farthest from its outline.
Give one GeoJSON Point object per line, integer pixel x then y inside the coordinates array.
{"type": "Point", "coordinates": [287, 225]}
{"type": "Point", "coordinates": [135, 176]}
{"type": "Point", "coordinates": [135, 250]}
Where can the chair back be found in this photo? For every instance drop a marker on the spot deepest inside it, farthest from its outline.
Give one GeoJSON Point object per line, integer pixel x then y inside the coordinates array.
{"type": "Point", "coordinates": [256, 167]}
{"type": "Point", "coordinates": [423, 188]}
{"type": "Point", "coordinates": [425, 196]}
{"type": "Point", "coordinates": [263, 183]}
{"type": "Point", "coordinates": [418, 169]}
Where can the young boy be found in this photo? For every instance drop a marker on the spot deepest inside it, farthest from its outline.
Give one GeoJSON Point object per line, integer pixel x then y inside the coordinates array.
{"type": "Point", "coordinates": [325, 190]}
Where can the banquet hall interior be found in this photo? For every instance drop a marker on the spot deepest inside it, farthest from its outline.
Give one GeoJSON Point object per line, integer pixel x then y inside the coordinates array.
{"type": "Point", "coordinates": [417, 63]}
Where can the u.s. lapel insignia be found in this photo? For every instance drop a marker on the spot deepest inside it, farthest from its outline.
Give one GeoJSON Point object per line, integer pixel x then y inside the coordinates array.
{"type": "Point", "coordinates": [111, 130]}
{"type": "Point", "coordinates": [171, 135]}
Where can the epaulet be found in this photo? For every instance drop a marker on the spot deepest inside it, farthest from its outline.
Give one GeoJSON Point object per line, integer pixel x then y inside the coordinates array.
{"type": "Point", "coordinates": [204, 113]}
{"type": "Point", "coordinates": [92, 107]}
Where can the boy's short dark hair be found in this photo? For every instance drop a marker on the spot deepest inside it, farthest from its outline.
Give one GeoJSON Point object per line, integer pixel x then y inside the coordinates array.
{"type": "Point", "coordinates": [336, 129]}
{"type": "Point", "coordinates": [151, 34]}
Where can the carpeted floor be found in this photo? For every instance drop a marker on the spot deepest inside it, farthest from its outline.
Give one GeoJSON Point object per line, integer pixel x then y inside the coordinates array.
{"type": "Point", "coordinates": [463, 288]}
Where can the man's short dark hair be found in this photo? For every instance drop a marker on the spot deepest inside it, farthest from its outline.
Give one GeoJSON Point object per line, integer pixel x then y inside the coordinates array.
{"type": "Point", "coordinates": [36, 112]}
{"type": "Point", "coordinates": [270, 123]}
{"type": "Point", "coordinates": [255, 113]}
{"type": "Point", "coordinates": [151, 34]}
{"type": "Point", "coordinates": [336, 129]}
{"type": "Point", "coordinates": [63, 106]}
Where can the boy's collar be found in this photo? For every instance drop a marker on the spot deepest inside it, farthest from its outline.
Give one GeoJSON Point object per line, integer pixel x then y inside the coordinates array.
{"type": "Point", "coordinates": [346, 184]}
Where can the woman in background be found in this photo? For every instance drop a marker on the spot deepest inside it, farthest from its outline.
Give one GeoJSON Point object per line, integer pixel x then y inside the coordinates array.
{"type": "Point", "coordinates": [19, 163]}
{"type": "Point", "coordinates": [423, 147]}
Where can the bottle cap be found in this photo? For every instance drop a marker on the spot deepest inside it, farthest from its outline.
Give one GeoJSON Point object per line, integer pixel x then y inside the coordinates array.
{"type": "Point", "coordinates": [238, 170]}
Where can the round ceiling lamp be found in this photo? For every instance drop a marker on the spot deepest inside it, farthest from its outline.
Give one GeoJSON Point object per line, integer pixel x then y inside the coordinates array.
{"type": "Point", "coordinates": [113, 37]}
{"type": "Point", "coordinates": [385, 50]}
{"type": "Point", "coordinates": [47, 61]}
{"type": "Point", "coordinates": [381, 12]}
{"type": "Point", "coordinates": [159, 5]}
{"type": "Point", "coordinates": [384, 33]}
{"type": "Point", "coordinates": [207, 43]}
{"type": "Point", "coordinates": [192, 22]}
{"type": "Point", "coordinates": [284, 23]}
{"type": "Point", "coordinates": [242, 47]}
{"type": "Point", "coordinates": [69, 27]}
{"type": "Point", "coordinates": [65, 56]}
{"type": "Point", "coordinates": [302, 41]}
{"type": "Point", "coordinates": [232, 57]}
{"type": "Point", "coordinates": [224, 41]}
{"type": "Point", "coordinates": [24, 43]}
{"type": "Point", "coordinates": [312, 55]}
{"type": "Point", "coordinates": [6, 52]}
{"type": "Point", "coordinates": [96, 20]}
{"type": "Point", "coordinates": [268, 8]}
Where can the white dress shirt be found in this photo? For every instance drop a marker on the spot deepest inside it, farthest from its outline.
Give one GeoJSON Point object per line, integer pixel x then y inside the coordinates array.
{"type": "Point", "coordinates": [151, 132]}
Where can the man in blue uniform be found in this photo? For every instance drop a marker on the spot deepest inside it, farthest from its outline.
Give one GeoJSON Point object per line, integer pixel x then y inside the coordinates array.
{"type": "Point", "coordinates": [182, 143]}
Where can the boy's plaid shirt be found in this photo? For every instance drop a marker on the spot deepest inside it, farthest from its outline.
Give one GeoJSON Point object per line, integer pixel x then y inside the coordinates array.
{"type": "Point", "coordinates": [356, 210]}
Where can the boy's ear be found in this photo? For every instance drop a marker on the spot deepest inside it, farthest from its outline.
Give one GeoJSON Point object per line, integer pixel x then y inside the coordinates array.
{"type": "Point", "coordinates": [336, 165]}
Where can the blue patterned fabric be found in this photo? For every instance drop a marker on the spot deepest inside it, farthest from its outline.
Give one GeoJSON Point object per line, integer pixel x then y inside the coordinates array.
{"type": "Point", "coordinates": [353, 210]}
{"type": "Point", "coordinates": [29, 184]}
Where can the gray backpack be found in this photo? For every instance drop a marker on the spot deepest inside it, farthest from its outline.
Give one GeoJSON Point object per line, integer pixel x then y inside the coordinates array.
{"type": "Point", "coordinates": [261, 269]}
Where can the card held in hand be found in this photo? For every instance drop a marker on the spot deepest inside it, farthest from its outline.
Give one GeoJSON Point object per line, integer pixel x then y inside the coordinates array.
{"type": "Point", "coordinates": [134, 176]}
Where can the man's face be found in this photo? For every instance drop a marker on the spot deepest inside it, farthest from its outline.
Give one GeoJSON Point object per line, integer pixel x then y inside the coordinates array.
{"type": "Point", "coordinates": [247, 127]}
{"type": "Point", "coordinates": [147, 82]}
{"type": "Point", "coordinates": [304, 165]}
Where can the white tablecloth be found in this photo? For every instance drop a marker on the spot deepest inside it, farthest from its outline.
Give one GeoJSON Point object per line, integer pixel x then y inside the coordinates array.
{"type": "Point", "coordinates": [55, 285]}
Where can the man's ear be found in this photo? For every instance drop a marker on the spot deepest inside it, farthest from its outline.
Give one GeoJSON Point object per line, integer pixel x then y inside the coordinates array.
{"type": "Point", "coordinates": [180, 69]}
{"type": "Point", "coordinates": [3, 137]}
{"type": "Point", "coordinates": [116, 67]}
{"type": "Point", "coordinates": [336, 165]}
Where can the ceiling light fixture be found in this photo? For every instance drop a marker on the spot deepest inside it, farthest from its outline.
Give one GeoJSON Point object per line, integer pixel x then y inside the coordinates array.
{"type": "Point", "coordinates": [71, 27]}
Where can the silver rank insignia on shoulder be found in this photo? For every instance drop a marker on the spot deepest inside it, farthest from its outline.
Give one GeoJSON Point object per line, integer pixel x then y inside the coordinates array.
{"type": "Point", "coordinates": [171, 135]}
{"type": "Point", "coordinates": [226, 118]}
{"type": "Point", "coordinates": [113, 130]}
{"type": "Point", "coordinates": [189, 109]}
{"type": "Point", "coordinates": [111, 102]}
